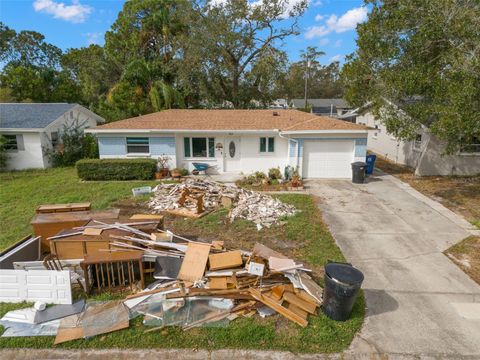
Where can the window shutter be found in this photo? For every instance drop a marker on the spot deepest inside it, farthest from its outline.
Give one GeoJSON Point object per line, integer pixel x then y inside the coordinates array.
{"type": "Point", "coordinates": [20, 143]}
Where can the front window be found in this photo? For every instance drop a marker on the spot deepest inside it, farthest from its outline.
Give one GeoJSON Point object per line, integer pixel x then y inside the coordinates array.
{"type": "Point", "coordinates": [199, 147]}
{"type": "Point", "coordinates": [267, 145]}
{"type": "Point", "coordinates": [138, 145]}
{"type": "Point", "coordinates": [11, 143]}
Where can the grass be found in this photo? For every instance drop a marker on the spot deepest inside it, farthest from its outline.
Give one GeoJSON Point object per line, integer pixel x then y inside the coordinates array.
{"type": "Point", "coordinates": [22, 191]}
{"type": "Point", "coordinates": [303, 236]}
{"type": "Point", "coordinates": [466, 254]}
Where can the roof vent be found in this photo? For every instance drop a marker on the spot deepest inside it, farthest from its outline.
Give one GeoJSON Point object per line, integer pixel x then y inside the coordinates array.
{"type": "Point", "coordinates": [275, 113]}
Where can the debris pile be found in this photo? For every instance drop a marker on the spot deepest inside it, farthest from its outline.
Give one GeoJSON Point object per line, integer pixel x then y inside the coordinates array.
{"type": "Point", "coordinates": [259, 208]}
{"type": "Point", "coordinates": [171, 280]}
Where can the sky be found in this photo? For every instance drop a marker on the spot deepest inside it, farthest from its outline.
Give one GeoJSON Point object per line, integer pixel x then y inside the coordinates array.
{"type": "Point", "coordinates": [327, 24]}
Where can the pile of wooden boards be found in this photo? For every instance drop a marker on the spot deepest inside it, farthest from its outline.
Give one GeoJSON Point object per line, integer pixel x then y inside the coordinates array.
{"type": "Point", "coordinates": [195, 198]}
{"type": "Point", "coordinates": [261, 280]}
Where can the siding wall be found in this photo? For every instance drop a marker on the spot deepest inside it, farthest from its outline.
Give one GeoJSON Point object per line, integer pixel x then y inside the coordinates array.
{"type": "Point", "coordinates": [30, 157]}
{"type": "Point", "coordinates": [115, 146]}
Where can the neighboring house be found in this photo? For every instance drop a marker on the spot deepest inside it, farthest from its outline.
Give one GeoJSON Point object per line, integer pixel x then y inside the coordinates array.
{"type": "Point", "coordinates": [279, 104]}
{"type": "Point", "coordinates": [32, 128]}
{"type": "Point", "coordinates": [424, 153]}
{"type": "Point", "coordinates": [239, 141]}
{"type": "Point", "coordinates": [323, 107]}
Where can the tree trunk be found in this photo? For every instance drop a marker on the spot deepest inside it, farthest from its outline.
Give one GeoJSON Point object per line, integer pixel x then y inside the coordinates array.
{"type": "Point", "coordinates": [235, 80]}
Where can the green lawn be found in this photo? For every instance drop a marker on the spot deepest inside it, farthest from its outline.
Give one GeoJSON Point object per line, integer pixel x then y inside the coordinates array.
{"type": "Point", "coordinates": [304, 236]}
{"type": "Point", "coordinates": [22, 191]}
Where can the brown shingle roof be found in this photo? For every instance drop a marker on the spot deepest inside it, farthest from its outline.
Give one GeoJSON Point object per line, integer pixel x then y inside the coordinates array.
{"type": "Point", "coordinates": [178, 119]}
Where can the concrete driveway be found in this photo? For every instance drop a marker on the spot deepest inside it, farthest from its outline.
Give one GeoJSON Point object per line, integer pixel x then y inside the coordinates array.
{"type": "Point", "coordinates": [419, 303]}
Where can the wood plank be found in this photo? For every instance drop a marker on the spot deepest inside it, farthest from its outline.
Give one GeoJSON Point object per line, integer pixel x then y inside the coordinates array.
{"type": "Point", "coordinates": [290, 315]}
{"type": "Point", "coordinates": [92, 231]}
{"type": "Point", "coordinates": [187, 213]}
{"type": "Point", "coordinates": [300, 312]}
{"type": "Point", "coordinates": [194, 262]}
{"type": "Point", "coordinates": [277, 292]}
{"type": "Point", "coordinates": [147, 217]}
{"type": "Point", "coordinates": [218, 283]}
{"type": "Point", "coordinates": [302, 294]}
{"type": "Point", "coordinates": [302, 304]}
{"type": "Point", "coordinates": [226, 260]}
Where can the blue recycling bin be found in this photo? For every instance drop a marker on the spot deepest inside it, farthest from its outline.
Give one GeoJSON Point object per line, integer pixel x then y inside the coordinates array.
{"type": "Point", "coordinates": [370, 163]}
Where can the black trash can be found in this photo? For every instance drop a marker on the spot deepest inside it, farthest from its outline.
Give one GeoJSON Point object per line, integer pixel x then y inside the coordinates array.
{"type": "Point", "coordinates": [358, 172]}
{"type": "Point", "coordinates": [342, 283]}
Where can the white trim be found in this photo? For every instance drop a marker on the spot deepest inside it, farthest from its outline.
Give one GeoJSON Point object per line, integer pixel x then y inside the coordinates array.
{"type": "Point", "coordinates": [327, 132]}
{"type": "Point", "coordinates": [21, 130]}
{"type": "Point", "coordinates": [160, 131]}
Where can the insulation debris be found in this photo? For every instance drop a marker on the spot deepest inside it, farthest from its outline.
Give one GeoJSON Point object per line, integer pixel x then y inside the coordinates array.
{"type": "Point", "coordinates": [259, 208]}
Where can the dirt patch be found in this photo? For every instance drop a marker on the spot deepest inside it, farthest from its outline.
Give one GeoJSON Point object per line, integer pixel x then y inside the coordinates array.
{"type": "Point", "coordinates": [466, 254]}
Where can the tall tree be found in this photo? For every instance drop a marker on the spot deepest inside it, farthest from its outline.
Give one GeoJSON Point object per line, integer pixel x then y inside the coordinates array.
{"type": "Point", "coordinates": [422, 57]}
{"type": "Point", "coordinates": [32, 71]}
{"type": "Point", "coordinates": [90, 68]}
{"type": "Point", "coordinates": [228, 40]}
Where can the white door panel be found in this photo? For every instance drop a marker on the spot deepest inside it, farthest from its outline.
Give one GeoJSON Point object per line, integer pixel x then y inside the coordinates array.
{"type": "Point", "coordinates": [49, 286]}
{"type": "Point", "coordinates": [232, 154]}
{"type": "Point", "coordinates": [328, 158]}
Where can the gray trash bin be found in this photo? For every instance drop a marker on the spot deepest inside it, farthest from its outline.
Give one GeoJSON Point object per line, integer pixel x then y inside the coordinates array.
{"type": "Point", "coordinates": [359, 172]}
{"type": "Point", "coordinates": [342, 284]}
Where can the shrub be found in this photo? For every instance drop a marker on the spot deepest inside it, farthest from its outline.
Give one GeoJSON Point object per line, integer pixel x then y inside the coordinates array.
{"type": "Point", "coordinates": [274, 173]}
{"type": "Point", "coordinates": [184, 172]}
{"type": "Point", "coordinates": [74, 145]}
{"type": "Point", "coordinates": [116, 169]}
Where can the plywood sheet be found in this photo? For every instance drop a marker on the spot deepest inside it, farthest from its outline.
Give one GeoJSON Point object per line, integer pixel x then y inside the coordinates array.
{"type": "Point", "coordinates": [194, 262]}
{"type": "Point", "coordinates": [92, 231]}
{"type": "Point", "coordinates": [218, 283]}
{"type": "Point", "coordinates": [226, 260]}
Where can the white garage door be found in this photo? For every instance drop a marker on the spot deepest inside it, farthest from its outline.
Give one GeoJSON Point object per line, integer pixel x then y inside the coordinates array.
{"type": "Point", "coordinates": [328, 158]}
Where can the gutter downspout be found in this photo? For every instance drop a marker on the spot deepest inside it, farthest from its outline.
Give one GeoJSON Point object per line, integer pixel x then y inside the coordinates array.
{"type": "Point", "coordinates": [295, 141]}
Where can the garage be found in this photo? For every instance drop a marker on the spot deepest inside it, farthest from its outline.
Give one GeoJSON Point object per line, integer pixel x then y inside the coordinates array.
{"type": "Point", "coordinates": [328, 158]}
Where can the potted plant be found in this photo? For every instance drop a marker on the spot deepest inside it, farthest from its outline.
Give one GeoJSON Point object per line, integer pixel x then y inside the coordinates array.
{"type": "Point", "coordinates": [295, 182]}
{"type": "Point", "coordinates": [176, 173]}
{"type": "Point", "coordinates": [162, 167]}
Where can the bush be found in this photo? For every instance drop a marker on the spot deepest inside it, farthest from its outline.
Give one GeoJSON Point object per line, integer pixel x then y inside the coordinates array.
{"type": "Point", "coordinates": [184, 172]}
{"type": "Point", "coordinates": [255, 179]}
{"type": "Point", "coordinates": [116, 169]}
{"type": "Point", "coordinates": [274, 174]}
{"type": "Point", "coordinates": [74, 145]}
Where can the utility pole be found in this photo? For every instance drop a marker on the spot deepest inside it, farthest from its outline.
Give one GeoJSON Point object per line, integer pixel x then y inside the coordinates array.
{"type": "Point", "coordinates": [307, 66]}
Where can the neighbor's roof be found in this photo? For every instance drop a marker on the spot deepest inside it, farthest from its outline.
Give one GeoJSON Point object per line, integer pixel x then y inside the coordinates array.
{"type": "Point", "coordinates": [321, 103]}
{"type": "Point", "coordinates": [31, 115]}
{"type": "Point", "coordinates": [218, 120]}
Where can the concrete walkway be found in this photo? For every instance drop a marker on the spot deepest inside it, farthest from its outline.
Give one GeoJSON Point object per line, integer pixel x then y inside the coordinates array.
{"type": "Point", "coordinates": [419, 303]}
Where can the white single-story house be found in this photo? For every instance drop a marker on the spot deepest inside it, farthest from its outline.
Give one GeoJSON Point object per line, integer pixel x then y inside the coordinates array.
{"type": "Point", "coordinates": [31, 128]}
{"type": "Point", "coordinates": [424, 153]}
{"type": "Point", "coordinates": [239, 141]}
